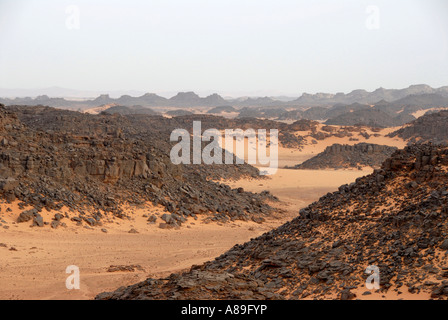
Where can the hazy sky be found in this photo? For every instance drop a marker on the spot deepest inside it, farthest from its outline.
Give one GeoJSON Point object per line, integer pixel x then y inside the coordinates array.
{"type": "Point", "coordinates": [233, 47]}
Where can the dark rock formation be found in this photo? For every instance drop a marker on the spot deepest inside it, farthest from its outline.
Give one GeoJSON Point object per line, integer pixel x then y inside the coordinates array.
{"type": "Point", "coordinates": [428, 128]}
{"type": "Point", "coordinates": [179, 112]}
{"type": "Point", "coordinates": [371, 118]}
{"type": "Point", "coordinates": [93, 164]}
{"type": "Point", "coordinates": [218, 110]}
{"type": "Point", "coordinates": [123, 110]}
{"type": "Point", "coordinates": [340, 156]}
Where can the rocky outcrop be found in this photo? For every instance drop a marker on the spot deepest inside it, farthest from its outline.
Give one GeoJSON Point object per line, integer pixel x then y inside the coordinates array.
{"type": "Point", "coordinates": [93, 164]}
{"type": "Point", "coordinates": [303, 125]}
{"type": "Point", "coordinates": [222, 109]}
{"type": "Point", "coordinates": [428, 128]}
{"type": "Point", "coordinates": [420, 95]}
{"type": "Point", "coordinates": [123, 110]}
{"type": "Point", "coordinates": [370, 117]}
{"type": "Point", "coordinates": [340, 156]}
{"type": "Point", "coordinates": [179, 112]}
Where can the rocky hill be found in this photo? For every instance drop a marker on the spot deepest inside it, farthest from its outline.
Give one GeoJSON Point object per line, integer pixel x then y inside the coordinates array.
{"type": "Point", "coordinates": [370, 117]}
{"type": "Point", "coordinates": [261, 112]}
{"type": "Point", "coordinates": [431, 127]}
{"type": "Point", "coordinates": [129, 110]}
{"type": "Point", "coordinates": [218, 110]}
{"type": "Point", "coordinates": [179, 112]}
{"type": "Point", "coordinates": [424, 101]}
{"type": "Point", "coordinates": [93, 164]}
{"type": "Point", "coordinates": [394, 219]}
{"type": "Point", "coordinates": [340, 156]}
{"type": "Point", "coordinates": [363, 96]}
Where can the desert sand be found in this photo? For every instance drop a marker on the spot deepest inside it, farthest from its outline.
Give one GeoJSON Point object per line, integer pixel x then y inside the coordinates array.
{"type": "Point", "coordinates": [299, 188]}
{"type": "Point", "coordinates": [34, 259]}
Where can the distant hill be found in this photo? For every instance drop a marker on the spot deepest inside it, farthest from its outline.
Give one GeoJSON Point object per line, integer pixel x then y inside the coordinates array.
{"type": "Point", "coordinates": [59, 92]}
{"type": "Point", "coordinates": [346, 156]}
{"type": "Point", "coordinates": [341, 109]}
{"type": "Point", "coordinates": [425, 101]}
{"type": "Point", "coordinates": [315, 113]}
{"type": "Point", "coordinates": [365, 97]}
{"type": "Point", "coordinates": [191, 99]}
{"type": "Point", "coordinates": [432, 127]}
{"type": "Point", "coordinates": [185, 99]}
{"type": "Point", "coordinates": [417, 96]}
{"type": "Point", "coordinates": [129, 110]}
{"type": "Point", "coordinates": [218, 110]}
{"type": "Point", "coordinates": [400, 112]}
{"type": "Point", "coordinates": [370, 117]}
{"type": "Point", "coordinates": [261, 112]}
{"type": "Point", "coordinates": [254, 102]}
{"type": "Point", "coordinates": [291, 115]}
{"type": "Point", "coordinates": [179, 112]}
{"type": "Point", "coordinates": [215, 100]}
{"type": "Point", "coordinates": [148, 99]}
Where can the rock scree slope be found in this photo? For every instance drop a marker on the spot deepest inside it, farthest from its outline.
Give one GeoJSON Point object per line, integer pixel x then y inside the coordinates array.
{"type": "Point", "coordinates": [340, 156]}
{"type": "Point", "coordinates": [428, 128]}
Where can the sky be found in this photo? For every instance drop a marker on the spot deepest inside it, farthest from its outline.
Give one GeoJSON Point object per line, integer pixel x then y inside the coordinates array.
{"type": "Point", "coordinates": [232, 47]}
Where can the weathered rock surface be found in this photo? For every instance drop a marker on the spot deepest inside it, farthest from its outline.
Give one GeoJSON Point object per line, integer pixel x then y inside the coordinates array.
{"type": "Point", "coordinates": [340, 156]}
{"type": "Point", "coordinates": [428, 128]}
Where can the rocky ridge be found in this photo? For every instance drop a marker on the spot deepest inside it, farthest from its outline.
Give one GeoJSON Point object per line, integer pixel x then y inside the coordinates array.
{"type": "Point", "coordinates": [340, 156]}
{"type": "Point", "coordinates": [428, 128]}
